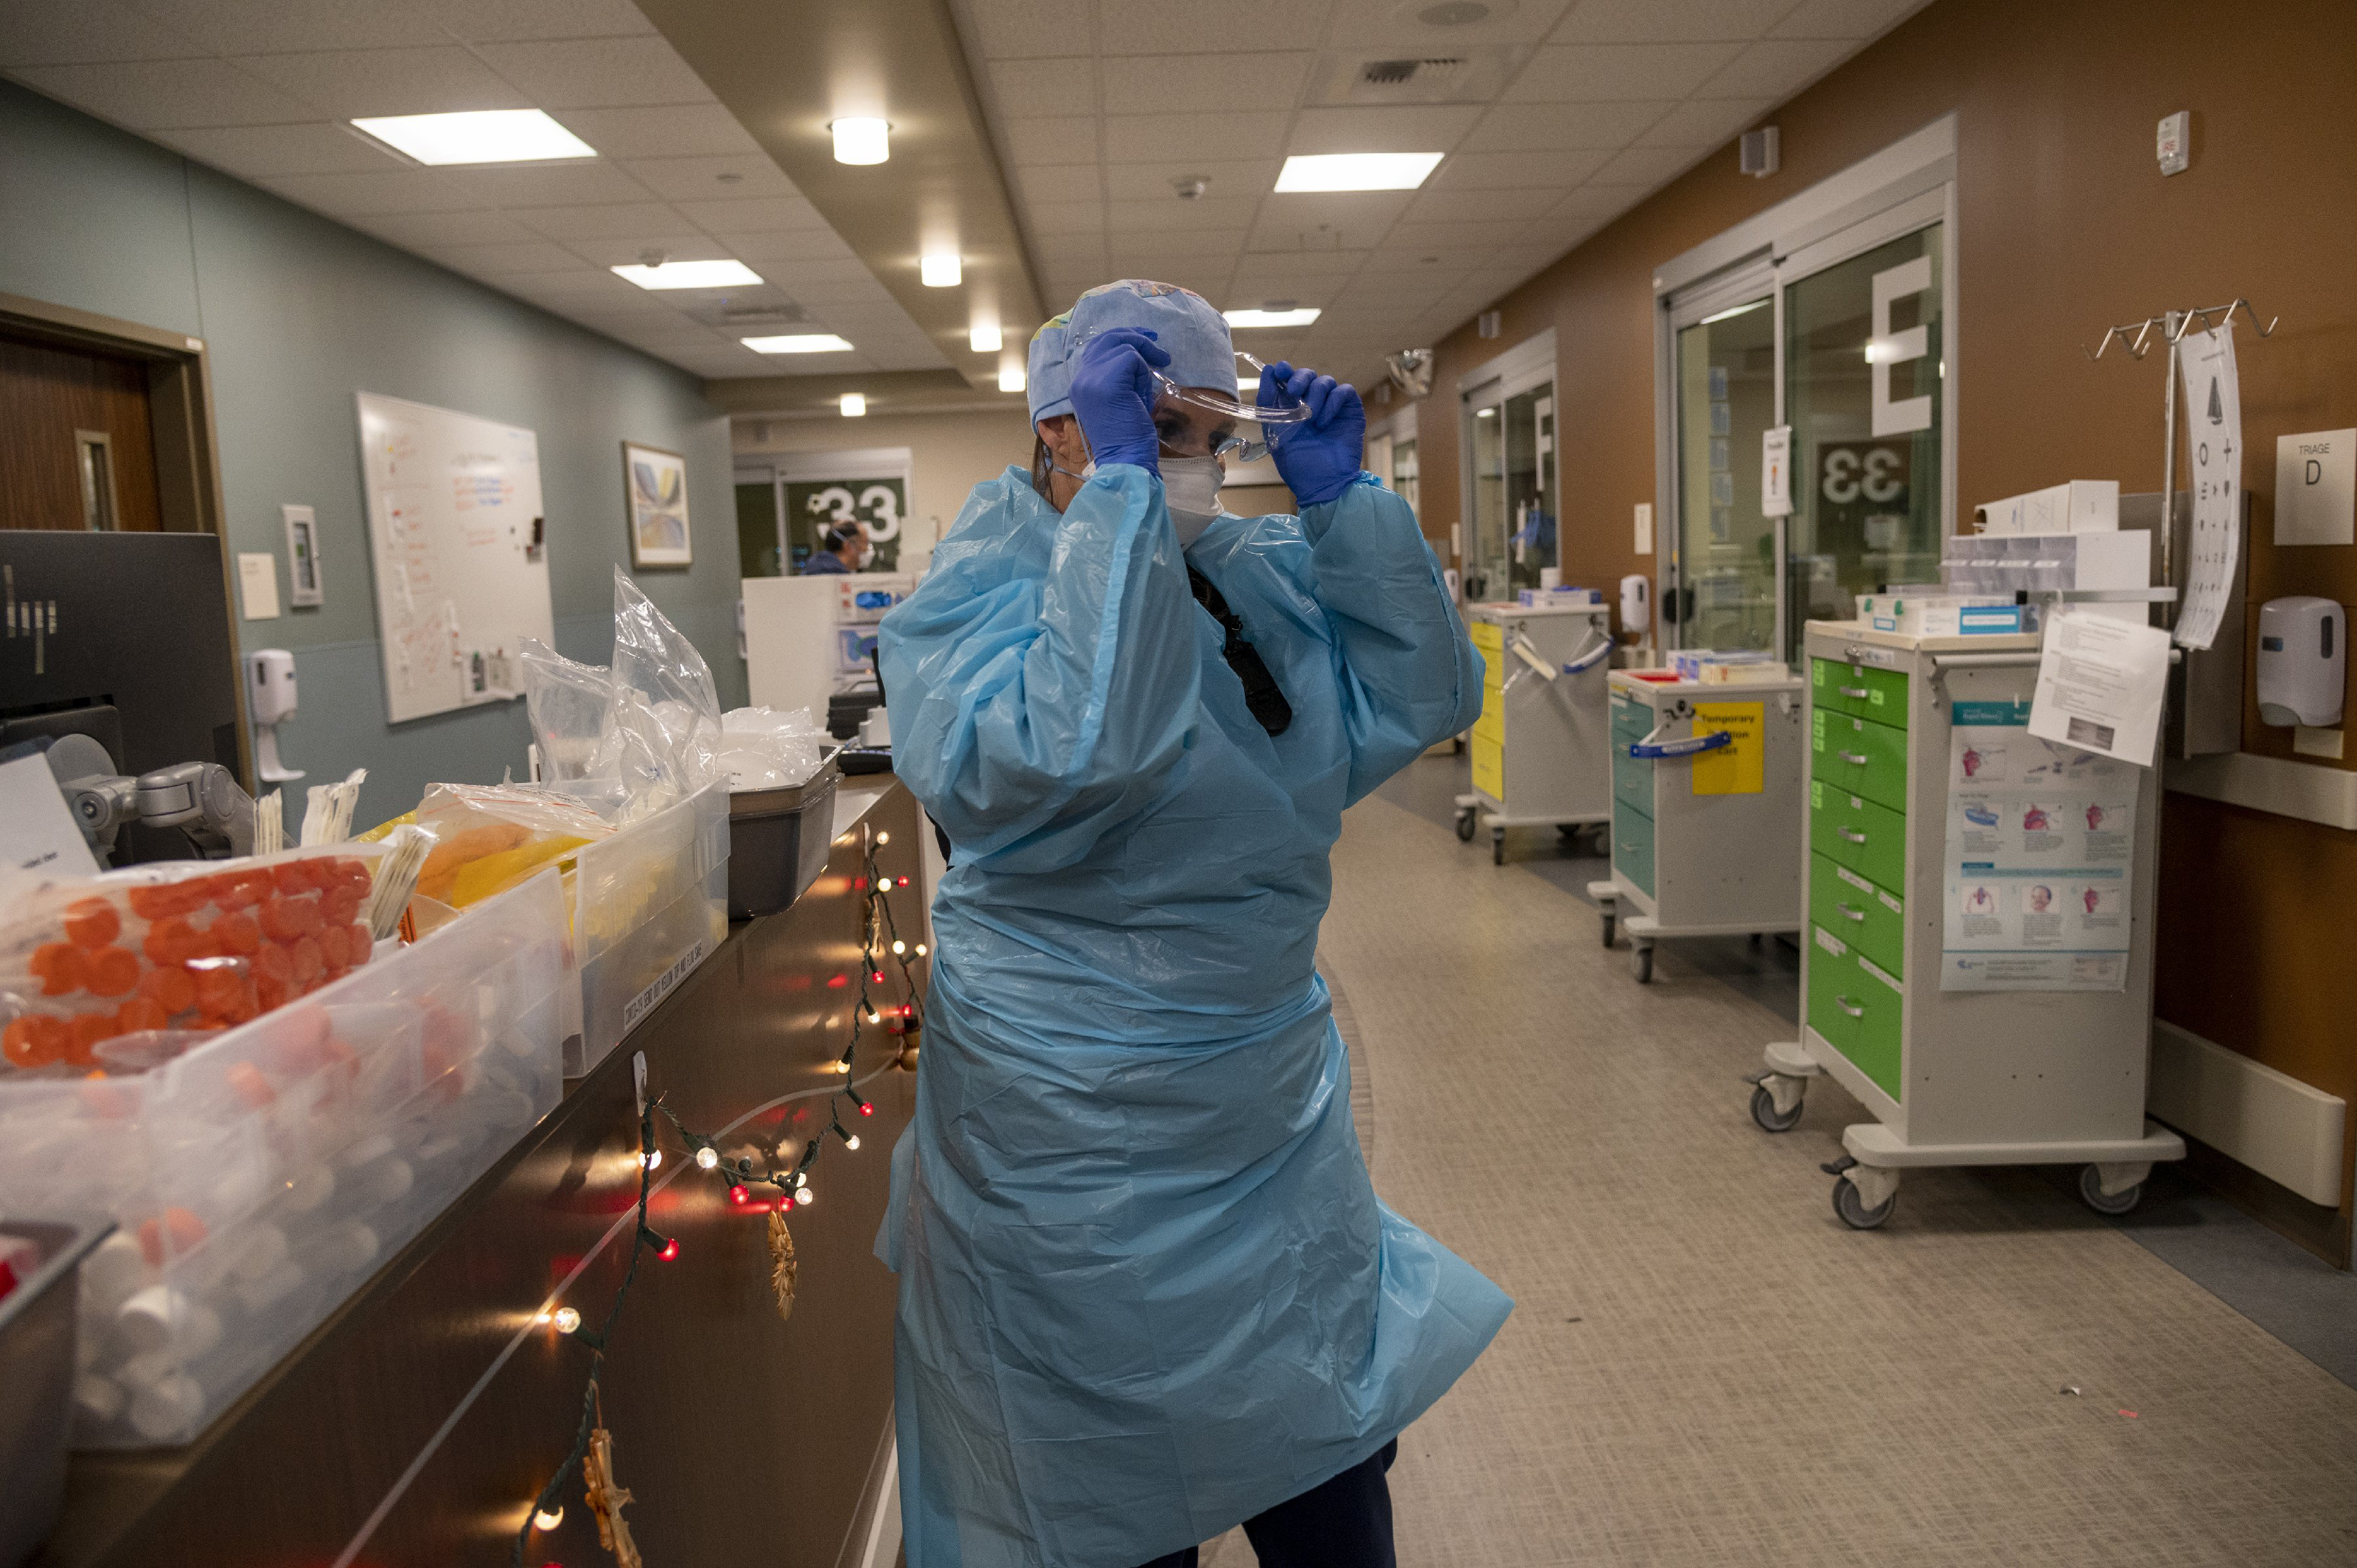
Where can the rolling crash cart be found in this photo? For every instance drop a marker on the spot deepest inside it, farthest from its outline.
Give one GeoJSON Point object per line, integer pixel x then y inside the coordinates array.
{"type": "Point", "coordinates": [1541, 748]}
{"type": "Point", "coordinates": [1977, 969]}
{"type": "Point", "coordinates": [1707, 810]}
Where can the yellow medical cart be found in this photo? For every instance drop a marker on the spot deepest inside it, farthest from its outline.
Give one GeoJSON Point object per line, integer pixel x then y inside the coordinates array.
{"type": "Point", "coordinates": [1541, 748]}
{"type": "Point", "coordinates": [1977, 969]}
{"type": "Point", "coordinates": [1706, 781]}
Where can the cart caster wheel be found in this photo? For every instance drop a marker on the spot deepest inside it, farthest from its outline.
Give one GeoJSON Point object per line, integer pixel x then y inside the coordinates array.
{"type": "Point", "coordinates": [1763, 1110]}
{"type": "Point", "coordinates": [1600, 841]}
{"type": "Point", "coordinates": [1852, 1208]}
{"type": "Point", "coordinates": [1465, 824]}
{"type": "Point", "coordinates": [1640, 963]}
{"type": "Point", "coordinates": [1611, 928]}
{"type": "Point", "coordinates": [1497, 846]}
{"type": "Point", "coordinates": [2090, 1189]}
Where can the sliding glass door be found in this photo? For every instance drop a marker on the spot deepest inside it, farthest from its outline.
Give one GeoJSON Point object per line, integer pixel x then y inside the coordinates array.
{"type": "Point", "coordinates": [1725, 545]}
{"type": "Point", "coordinates": [1510, 433]}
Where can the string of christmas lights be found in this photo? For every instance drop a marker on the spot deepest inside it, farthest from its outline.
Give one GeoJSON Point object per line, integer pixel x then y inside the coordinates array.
{"type": "Point", "coordinates": [879, 937]}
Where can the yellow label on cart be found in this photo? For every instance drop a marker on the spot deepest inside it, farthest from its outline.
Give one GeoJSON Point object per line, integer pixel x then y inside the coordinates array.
{"type": "Point", "coordinates": [1739, 769]}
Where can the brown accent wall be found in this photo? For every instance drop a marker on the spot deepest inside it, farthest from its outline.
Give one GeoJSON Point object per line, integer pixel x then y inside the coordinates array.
{"type": "Point", "coordinates": [46, 393]}
{"type": "Point", "coordinates": [2065, 225]}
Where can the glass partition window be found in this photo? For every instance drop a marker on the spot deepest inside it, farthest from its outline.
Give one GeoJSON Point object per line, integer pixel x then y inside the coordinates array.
{"type": "Point", "coordinates": [1513, 534]}
{"type": "Point", "coordinates": [1403, 474]}
{"type": "Point", "coordinates": [1864, 394]}
{"type": "Point", "coordinates": [1726, 548]}
{"type": "Point", "coordinates": [758, 550]}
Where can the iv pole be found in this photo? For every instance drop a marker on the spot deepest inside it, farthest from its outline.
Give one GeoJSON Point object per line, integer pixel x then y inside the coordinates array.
{"type": "Point", "coordinates": [2136, 337]}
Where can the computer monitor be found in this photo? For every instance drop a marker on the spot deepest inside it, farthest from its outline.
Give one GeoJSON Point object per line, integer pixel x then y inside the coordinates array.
{"type": "Point", "coordinates": [123, 638]}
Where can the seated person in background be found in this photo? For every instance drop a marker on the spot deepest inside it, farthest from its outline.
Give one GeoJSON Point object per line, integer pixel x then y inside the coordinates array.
{"type": "Point", "coordinates": [843, 547]}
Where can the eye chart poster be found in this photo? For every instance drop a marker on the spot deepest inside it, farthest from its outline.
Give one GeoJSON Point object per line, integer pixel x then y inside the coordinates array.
{"type": "Point", "coordinates": [2041, 838]}
{"type": "Point", "coordinates": [2213, 437]}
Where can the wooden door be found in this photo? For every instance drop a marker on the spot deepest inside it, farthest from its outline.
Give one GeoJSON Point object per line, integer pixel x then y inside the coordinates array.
{"type": "Point", "coordinates": [77, 444]}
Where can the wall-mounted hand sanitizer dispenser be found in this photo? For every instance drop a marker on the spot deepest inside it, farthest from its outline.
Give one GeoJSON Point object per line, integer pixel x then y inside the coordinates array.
{"type": "Point", "coordinates": [2303, 661]}
{"type": "Point", "coordinates": [1636, 603]}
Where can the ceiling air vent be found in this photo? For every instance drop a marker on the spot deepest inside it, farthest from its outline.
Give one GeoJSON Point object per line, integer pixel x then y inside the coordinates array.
{"type": "Point", "coordinates": [1426, 73]}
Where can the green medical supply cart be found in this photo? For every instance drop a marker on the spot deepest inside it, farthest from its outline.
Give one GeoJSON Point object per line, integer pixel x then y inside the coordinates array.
{"type": "Point", "coordinates": [1978, 967]}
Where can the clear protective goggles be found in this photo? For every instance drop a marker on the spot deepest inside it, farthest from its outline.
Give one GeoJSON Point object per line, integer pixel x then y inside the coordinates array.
{"type": "Point", "coordinates": [1207, 422]}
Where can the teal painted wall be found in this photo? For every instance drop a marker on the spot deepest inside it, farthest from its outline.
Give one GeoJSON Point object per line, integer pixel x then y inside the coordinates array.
{"type": "Point", "coordinates": [299, 314]}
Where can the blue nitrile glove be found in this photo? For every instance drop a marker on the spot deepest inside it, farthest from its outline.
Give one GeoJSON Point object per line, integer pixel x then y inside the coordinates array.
{"type": "Point", "coordinates": [1319, 459]}
{"type": "Point", "coordinates": [1112, 395]}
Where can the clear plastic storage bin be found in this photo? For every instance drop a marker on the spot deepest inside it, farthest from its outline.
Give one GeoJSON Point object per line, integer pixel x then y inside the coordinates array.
{"type": "Point", "coordinates": [649, 905]}
{"type": "Point", "coordinates": [261, 1177]}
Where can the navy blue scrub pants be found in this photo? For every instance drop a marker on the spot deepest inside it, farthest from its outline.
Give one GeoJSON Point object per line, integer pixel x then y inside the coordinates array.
{"type": "Point", "coordinates": [1342, 1523]}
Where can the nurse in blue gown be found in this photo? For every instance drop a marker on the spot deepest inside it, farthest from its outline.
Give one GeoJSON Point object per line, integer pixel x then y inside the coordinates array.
{"type": "Point", "coordinates": [1146, 1292]}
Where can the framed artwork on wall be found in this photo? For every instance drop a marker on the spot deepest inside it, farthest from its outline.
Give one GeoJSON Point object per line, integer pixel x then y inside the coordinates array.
{"type": "Point", "coordinates": [655, 484]}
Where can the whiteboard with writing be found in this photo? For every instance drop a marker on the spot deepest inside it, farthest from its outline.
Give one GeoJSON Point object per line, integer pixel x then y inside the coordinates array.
{"type": "Point", "coordinates": [456, 539]}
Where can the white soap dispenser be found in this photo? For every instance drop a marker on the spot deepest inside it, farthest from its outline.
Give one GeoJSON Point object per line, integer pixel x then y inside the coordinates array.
{"type": "Point", "coordinates": [2303, 661]}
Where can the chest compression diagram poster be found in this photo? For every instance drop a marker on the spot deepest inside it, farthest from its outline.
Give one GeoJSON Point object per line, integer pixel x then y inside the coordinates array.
{"type": "Point", "coordinates": [2040, 858]}
{"type": "Point", "coordinates": [456, 539]}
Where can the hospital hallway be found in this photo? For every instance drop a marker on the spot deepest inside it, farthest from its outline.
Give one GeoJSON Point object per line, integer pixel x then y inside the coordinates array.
{"type": "Point", "coordinates": [1704, 1365]}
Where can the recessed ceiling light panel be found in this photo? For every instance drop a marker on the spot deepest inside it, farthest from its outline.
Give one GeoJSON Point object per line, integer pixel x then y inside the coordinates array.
{"type": "Point", "coordinates": [690, 275]}
{"type": "Point", "coordinates": [859, 140]}
{"type": "Point", "coordinates": [479, 137]}
{"type": "Point", "coordinates": [1011, 378]}
{"type": "Point", "coordinates": [1355, 171]}
{"type": "Point", "coordinates": [985, 337]}
{"type": "Point", "coordinates": [943, 271]}
{"type": "Point", "coordinates": [797, 343]}
{"type": "Point", "coordinates": [854, 405]}
{"type": "Point", "coordinates": [1301, 317]}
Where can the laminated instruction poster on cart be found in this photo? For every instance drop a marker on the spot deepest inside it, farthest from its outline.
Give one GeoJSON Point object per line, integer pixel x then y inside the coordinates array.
{"type": "Point", "coordinates": [2041, 840]}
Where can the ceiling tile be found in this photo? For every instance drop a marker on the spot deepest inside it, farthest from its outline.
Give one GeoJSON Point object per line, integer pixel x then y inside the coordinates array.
{"type": "Point", "coordinates": [1278, 266]}
{"type": "Point", "coordinates": [1854, 19]}
{"type": "Point", "coordinates": [1058, 182]}
{"type": "Point", "coordinates": [1599, 201]}
{"type": "Point", "coordinates": [1648, 167]}
{"type": "Point", "coordinates": [1133, 220]}
{"type": "Point", "coordinates": [1596, 73]}
{"type": "Point", "coordinates": [672, 130]}
{"type": "Point", "coordinates": [1062, 141]}
{"type": "Point", "coordinates": [1228, 177]}
{"type": "Point", "coordinates": [1650, 21]}
{"type": "Point", "coordinates": [1149, 138]}
{"type": "Point", "coordinates": [597, 73]}
{"type": "Point", "coordinates": [85, 33]}
{"type": "Point", "coordinates": [1427, 128]}
{"type": "Point", "coordinates": [426, 229]}
{"type": "Point", "coordinates": [673, 243]}
{"type": "Point", "coordinates": [1056, 251]}
{"type": "Point", "coordinates": [1560, 234]}
{"type": "Point", "coordinates": [1516, 171]}
{"type": "Point", "coordinates": [1243, 80]}
{"type": "Point", "coordinates": [607, 221]}
{"type": "Point", "coordinates": [350, 83]}
{"type": "Point", "coordinates": [767, 215]}
{"type": "Point", "coordinates": [1547, 128]}
{"type": "Point", "coordinates": [1777, 70]}
{"type": "Point", "coordinates": [511, 21]}
{"type": "Point", "coordinates": [232, 27]}
{"type": "Point", "coordinates": [1248, 291]}
{"type": "Point", "coordinates": [1478, 206]}
{"type": "Point", "coordinates": [1353, 221]}
{"type": "Point", "coordinates": [1185, 245]}
{"type": "Point", "coordinates": [1704, 121]}
{"type": "Point", "coordinates": [1028, 88]}
{"type": "Point", "coordinates": [1360, 25]}
{"type": "Point", "coordinates": [796, 277]}
{"type": "Point", "coordinates": [1433, 236]}
{"type": "Point", "coordinates": [1133, 27]}
{"type": "Point", "coordinates": [537, 256]}
{"type": "Point", "coordinates": [366, 195]}
{"type": "Point", "coordinates": [1066, 216]}
{"type": "Point", "coordinates": [158, 95]}
{"type": "Point", "coordinates": [762, 249]}
{"type": "Point", "coordinates": [260, 152]}
{"type": "Point", "coordinates": [1024, 28]}
{"type": "Point", "coordinates": [728, 179]}
{"type": "Point", "coordinates": [547, 184]}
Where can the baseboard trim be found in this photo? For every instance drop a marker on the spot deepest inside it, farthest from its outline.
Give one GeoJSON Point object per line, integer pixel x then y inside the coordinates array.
{"type": "Point", "coordinates": [2287, 1131]}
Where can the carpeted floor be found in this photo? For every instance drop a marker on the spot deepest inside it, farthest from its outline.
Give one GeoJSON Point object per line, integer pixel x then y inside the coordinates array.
{"type": "Point", "coordinates": [1704, 1367]}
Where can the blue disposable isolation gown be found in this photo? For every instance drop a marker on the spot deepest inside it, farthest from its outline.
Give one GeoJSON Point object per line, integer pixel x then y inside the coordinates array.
{"type": "Point", "coordinates": [1146, 1290]}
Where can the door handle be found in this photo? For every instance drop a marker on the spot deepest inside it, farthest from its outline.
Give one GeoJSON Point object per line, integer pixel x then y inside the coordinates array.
{"type": "Point", "coordinates": [1850, 913]}
{"type": "Point", "coordinates": [1855, 758]}
{"type": "Point", "coordinates": [1859, 693]}
{"type": "Point", "coordinates": [1852, 834]}
{"type": "Point", "coordinates": [1846, 1005]}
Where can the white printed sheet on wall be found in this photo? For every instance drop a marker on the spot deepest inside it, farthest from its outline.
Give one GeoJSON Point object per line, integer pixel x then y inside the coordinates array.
{"type": "Point", "coordinates": [2213, 438]}
{"type": "Point", "coordinates": [454, 520]}
{"type": "Point", "coordinates": [2040, 858]}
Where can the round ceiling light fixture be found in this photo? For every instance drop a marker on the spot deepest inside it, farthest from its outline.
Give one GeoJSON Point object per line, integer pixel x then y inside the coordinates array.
{"type": "Point", "coordinates": [1462, 12]}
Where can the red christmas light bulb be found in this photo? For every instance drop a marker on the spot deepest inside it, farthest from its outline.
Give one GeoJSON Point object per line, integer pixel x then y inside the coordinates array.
{"type": "Point", "coordinates": [738, 1195]}
{"type": "Point", "coordinates": [669, 1249]}
{"type": "Point", "coordinates": [866, 1109]}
